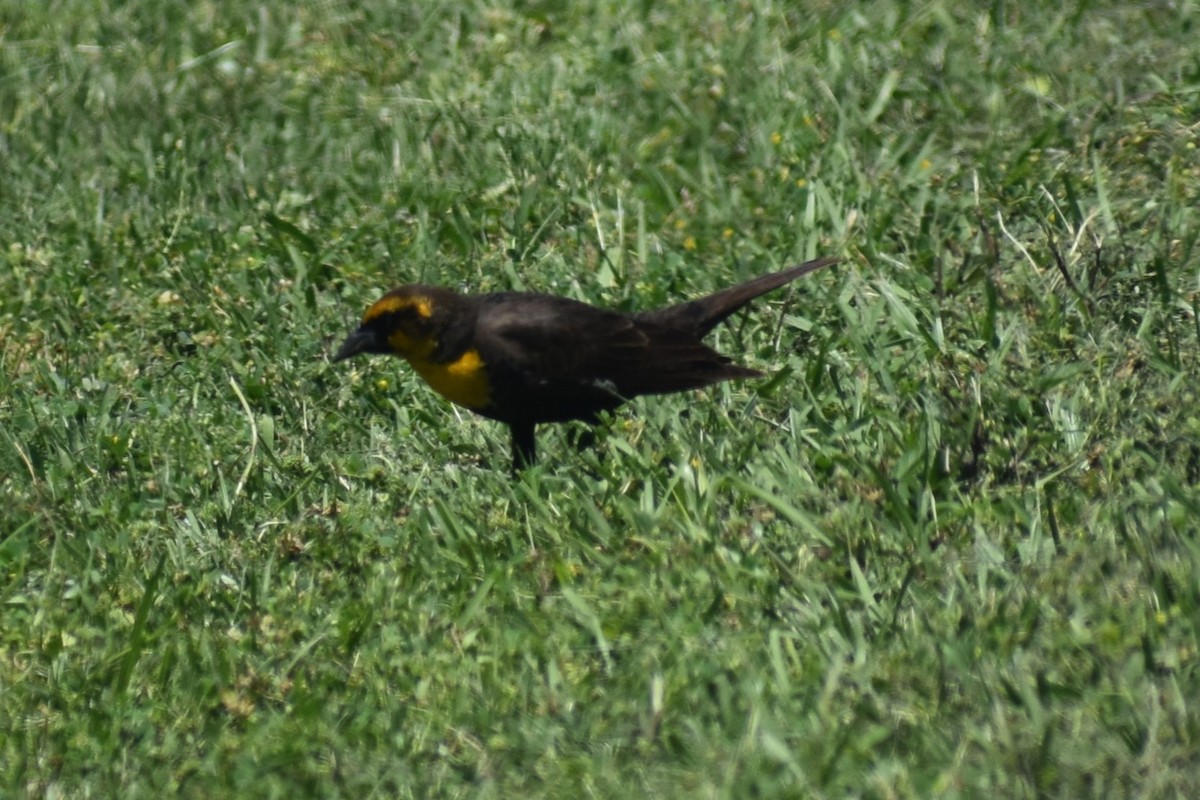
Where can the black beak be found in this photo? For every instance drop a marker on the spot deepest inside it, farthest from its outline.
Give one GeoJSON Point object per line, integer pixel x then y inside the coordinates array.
{"type": "Point", "coordinates": [360, 341]}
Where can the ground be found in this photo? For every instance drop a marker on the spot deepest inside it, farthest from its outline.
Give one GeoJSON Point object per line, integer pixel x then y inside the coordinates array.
{"type": "Point", "coordinates": [947, 548]}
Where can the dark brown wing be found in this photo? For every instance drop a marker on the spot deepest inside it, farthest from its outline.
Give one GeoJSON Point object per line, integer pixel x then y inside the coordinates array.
{"type": "Point", "coordinates": [551, 358]}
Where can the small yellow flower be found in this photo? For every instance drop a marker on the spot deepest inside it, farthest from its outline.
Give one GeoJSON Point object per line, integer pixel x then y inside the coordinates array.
{"type": "Point", "coordinates": [727, 233]}
{"type": "Point", "coordinates": [382, 384]}
{"type": "Point", "coordinates": [776, 137]}
{"type": "Point", "coordinates": [801, 183]}
{"type": "Point", "coordinates": [680, 224]}
{"type": "Point", "coordinates": [926, 163]}
{"type": "Point", "coordinates": [689, 243]}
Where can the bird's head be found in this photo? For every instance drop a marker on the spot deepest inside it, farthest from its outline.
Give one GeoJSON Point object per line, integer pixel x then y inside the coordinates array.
{"type": "Point", "coordinates": [405, 322]}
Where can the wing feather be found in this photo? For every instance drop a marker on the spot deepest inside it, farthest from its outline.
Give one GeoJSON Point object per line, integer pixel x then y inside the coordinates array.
{"type": "Point", "coordinates": [569, 360]}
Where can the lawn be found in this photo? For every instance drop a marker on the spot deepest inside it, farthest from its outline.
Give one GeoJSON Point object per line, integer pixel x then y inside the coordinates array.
{"type": "Point", "coordinates": [946, 548]}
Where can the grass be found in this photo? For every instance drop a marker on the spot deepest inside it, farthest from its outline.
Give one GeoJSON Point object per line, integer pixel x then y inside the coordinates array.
{"type": "Point", "coordinates": [947, 549]}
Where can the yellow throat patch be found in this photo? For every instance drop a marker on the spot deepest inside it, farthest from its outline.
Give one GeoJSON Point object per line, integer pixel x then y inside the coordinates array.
{"type": "Point", "coordinates": [462, 381]}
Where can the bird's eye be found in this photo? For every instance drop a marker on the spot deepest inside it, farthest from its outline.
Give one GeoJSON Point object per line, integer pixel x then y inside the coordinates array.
{"type": "Point", "coordinates": [411, 321]}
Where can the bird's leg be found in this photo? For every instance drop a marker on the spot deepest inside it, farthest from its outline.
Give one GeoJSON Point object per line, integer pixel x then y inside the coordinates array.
{"type": "Point", "coordinates": [524, 449]}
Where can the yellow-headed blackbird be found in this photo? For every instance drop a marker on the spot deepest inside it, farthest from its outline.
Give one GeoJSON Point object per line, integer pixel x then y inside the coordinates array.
{"type": "Point", "coordinates": [524, 358]}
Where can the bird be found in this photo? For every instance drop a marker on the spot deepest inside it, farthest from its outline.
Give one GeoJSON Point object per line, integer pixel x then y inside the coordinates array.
{"type": "Point", "coordinates": [526, 358]}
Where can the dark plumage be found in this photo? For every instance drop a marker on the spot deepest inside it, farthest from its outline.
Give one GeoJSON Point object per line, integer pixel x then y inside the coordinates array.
{"type": "Point", "coordinates": [525, 358]}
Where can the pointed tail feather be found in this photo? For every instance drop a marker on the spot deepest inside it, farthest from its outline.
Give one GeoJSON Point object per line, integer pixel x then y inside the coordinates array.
{"type": "Point", "coordinates": [701, 315]}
